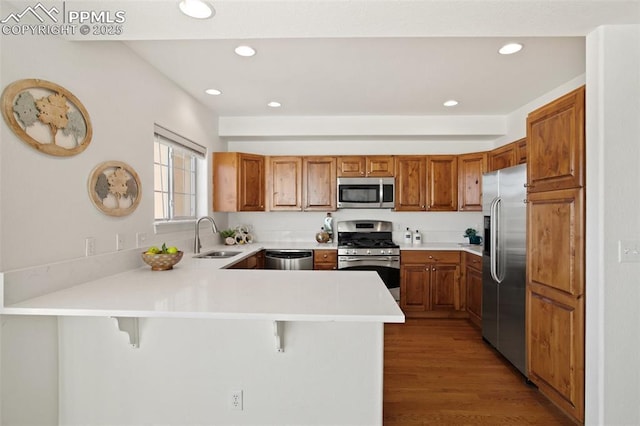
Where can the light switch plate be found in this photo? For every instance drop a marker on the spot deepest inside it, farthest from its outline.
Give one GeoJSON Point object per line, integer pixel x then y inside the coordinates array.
{"type": "Point", "coordinates": [628, 251]}
{"type": "Point", "coordinates": [141, 238]}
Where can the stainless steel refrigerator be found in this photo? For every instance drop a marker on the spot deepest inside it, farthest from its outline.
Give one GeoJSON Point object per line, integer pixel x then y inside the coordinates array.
{"type": "Point", "coordinates": [504, 262]}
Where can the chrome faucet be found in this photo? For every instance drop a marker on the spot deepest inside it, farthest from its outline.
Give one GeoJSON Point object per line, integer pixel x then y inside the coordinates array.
{"type": "Point", "coordinates": [214, 228]}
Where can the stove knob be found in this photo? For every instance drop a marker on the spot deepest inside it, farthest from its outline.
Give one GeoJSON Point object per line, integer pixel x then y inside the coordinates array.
{"type": "Point", "coordinates": [382, 251]}
{"type": "Point", "coordinates": [368, 251]}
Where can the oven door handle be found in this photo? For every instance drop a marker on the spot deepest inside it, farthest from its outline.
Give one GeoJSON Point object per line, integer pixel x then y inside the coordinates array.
{"type": "Point", "coordinates": [368, 258]}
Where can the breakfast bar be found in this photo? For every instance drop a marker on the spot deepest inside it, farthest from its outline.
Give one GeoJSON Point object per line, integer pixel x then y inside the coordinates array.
{"type": "Point", "coordinates": [294, 334]}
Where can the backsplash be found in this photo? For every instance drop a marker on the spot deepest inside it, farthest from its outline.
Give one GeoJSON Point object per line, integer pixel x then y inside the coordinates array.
{"type": "Point", "coordinates": [302, 227]}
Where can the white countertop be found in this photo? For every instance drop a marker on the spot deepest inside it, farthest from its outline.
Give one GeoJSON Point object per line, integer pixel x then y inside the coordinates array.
{"type": "Point", "coordinates": [203, 288]}
{"type": "Point", "coordinates": [200, 288]}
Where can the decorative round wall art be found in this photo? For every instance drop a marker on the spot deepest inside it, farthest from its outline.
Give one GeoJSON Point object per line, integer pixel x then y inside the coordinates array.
{"type": "Point", "coordinates": [46, 116]}
{"type": "Point", "coordinates": [114, 188]}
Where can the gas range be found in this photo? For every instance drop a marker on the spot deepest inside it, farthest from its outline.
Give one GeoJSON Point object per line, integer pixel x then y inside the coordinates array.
{"type": "Point", "coordinates": [366, 238]}
{"type": "Point", "coordinates": [367, 245]}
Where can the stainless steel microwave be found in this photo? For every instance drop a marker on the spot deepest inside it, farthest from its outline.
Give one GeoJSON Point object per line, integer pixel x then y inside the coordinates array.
{"type": "Point", "coordinates": [366, 193]}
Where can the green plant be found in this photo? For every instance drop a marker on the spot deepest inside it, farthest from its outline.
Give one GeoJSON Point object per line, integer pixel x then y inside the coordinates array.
{"type": "Point", "coordinates": [470, 232]}
{"type": "Point", "coordinates": [228, 233]}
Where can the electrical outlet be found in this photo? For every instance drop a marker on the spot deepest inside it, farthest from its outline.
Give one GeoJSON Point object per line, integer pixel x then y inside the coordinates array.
{"type": "Point", "coordinates": [236, 400]}
{"type": "Point", "coordinates": [119, 242]}
{"type": "Point", "coordinates": [628, 251]}
{"type": "Point", "coordinates": [89, 246]}
{"type": "Point", "coordinates": [141, 238]}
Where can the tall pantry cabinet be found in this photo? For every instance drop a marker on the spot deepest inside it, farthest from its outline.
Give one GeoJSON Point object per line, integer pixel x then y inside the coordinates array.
{"type": "Point", "coordinates": [555, 295]}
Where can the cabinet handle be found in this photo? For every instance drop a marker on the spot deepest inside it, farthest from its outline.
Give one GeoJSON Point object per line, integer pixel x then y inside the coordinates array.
{"type": "Point", "coordinates": [433, 269]}
{"type": "Point", "coordinates": [430, 257]}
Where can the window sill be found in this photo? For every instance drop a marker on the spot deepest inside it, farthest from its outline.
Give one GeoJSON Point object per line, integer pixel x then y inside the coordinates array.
{"type": "Point", "coordinates": [166, 227]}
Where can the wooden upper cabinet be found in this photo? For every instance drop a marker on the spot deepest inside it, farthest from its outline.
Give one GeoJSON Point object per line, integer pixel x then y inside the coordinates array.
{"type": "Point", "coordinates": [359, 166]}
{"type": "Point", "coordinates": [380, 166]}
{"type": "Point", "coordinates": [442, 183]}
{"type": "Point", "coordinates": [470, 169]}
{"type": "Point", "coordinates": [521, 151]}
{"type": "Point", "coordinates": [555, 144]}
{"type": "Point", "coordinates": [284, 183]}
{"type": "Point", "coordinates": [319, 183]}
{"type": "Point", "coordinates": [238, 182]}
{"type": "Point", "coordinates": [502, 157]}
{"type": "Point", "coordinates": [411, 178]}
{"type": "Point", "coordinates": [351, 166]}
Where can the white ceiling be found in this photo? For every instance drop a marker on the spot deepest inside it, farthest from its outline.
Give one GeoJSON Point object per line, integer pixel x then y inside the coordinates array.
{"type": "Point", "coordinates": [375, 57]}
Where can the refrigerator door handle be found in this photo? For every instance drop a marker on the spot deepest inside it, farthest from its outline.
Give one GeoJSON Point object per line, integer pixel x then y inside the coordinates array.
{"type": "Point", "coordinates": [495, 226]}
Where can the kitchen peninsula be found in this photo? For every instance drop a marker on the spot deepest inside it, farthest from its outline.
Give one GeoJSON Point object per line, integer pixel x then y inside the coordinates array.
{"type": "Point", "coordinates": [283, 338]}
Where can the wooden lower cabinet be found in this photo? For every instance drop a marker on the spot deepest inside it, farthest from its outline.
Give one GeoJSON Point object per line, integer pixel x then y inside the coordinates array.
{"type": "Point", "coordinates": [473, 281]}
{"type": "Point", "coordinates": [555, 342]}
{"type": "Point", "coordinates": [252, 262]}
{"type": "Point", "coordinates": [326, 260]}
{"type": "Point", "coordinates": [430, 285]}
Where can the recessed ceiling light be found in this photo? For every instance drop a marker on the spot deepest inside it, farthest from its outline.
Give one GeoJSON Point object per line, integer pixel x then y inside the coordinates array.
{"type": "Point", "coordinates": [274, 104]}
{"type": "Point", "coordinates": [450, 103]}
{"type": "Point", "coordinates": [198, 9]}
{"type": "Point", "coordinates": [510, 48]}
{"type": "Point", "coordinates": [245, 51]}
{"type": "Point", "coordinates": [214, 92]}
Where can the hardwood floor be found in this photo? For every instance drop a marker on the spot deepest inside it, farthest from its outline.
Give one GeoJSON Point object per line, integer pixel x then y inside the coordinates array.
{"type": "Point", "coordinates": [440, 372]}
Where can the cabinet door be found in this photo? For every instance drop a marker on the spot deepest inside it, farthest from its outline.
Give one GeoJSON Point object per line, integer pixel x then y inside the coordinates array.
{"type": "Point", "coordinates": [445, 287]}
{"type": "Point", "coordinates": [285, 183]}
{"type": "Point", "coordinates": [555, 347]}
{"type": "Point", "coordinates": [351, 166]}
{"type": "Point", "coordinates": [380, 166]}
{"type": "Point", "coordinates": [319, 175]}
{"type": "Point", "coordinates": [555, 139]}
{"type": "Point", "coordinates": [555, 240]}
{"type": "Point", "coordinates": [474, 295]}
{"type": "Point", "coordinates": [414, 288]}
{"type": "Point", "coordinates": [503, 157]}
{"type": "Point", "coordinates": [442, 183]}
{"type": "Point", "coordinates": [238, 182]}
{"type": "Point", "coordinates": [252, 187]}
{"type": "Point", "coordinates": [521, 151]}
{"type": "Point", "coordinates": [470, 169]}
{"type": "Point", "coordinates": [410, 183]}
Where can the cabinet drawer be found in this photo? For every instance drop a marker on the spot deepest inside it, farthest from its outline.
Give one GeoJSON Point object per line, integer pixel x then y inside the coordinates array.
{"type": "Point", "coordinates": [429, 256]}
{"type": "Point", "coordinates": [325, 256]}
{"type": "Point", "coordinates": [473, 261]}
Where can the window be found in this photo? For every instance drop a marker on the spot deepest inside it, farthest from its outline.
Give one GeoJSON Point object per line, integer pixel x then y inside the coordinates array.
{"type": "Point", "coordinates": [176, 161]}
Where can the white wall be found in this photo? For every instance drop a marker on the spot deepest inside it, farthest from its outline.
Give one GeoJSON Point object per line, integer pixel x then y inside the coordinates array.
{"type": "Point", "coordinates": [330, 373]}
{"type": "Point", "coordinates": [45, 211]}
{"type": "Point", "coordinates": [613, 207]}
{"type": "Point", "coordinates": [517, 120]}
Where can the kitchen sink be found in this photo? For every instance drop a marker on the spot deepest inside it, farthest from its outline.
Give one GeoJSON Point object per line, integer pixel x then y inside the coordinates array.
{"type": "Point", "coordinates": [217, 254]}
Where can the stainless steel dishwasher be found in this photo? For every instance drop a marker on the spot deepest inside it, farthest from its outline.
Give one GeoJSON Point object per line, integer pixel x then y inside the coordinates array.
{"type": "Point", "coordinates": [288, 259]}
